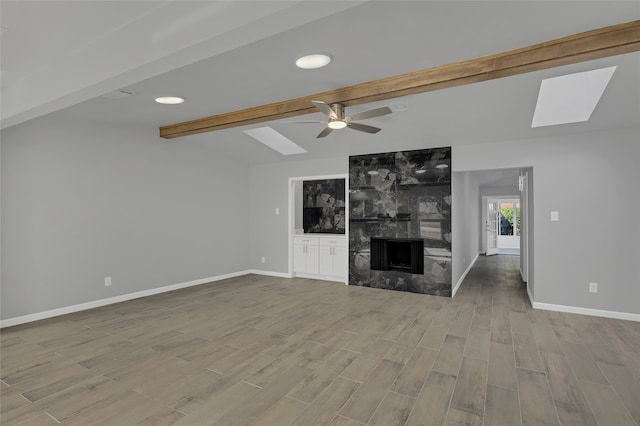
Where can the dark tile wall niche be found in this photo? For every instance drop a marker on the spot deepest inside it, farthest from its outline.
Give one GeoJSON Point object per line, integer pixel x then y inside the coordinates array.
{"type": "Point", "coordinates": [323, 206]}
{"type": "Point", "coordinates": [400, 196]}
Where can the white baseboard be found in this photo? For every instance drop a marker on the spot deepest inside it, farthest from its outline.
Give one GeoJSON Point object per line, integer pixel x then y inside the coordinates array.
{"type": "Point", "coordinates": [269, 273]}
{"type": "Point", "coordinates": [586, 311]}
{"type": "Point", "coordinates": [464, 274]}
{"type": "Point", "coordinates": [111, 300]}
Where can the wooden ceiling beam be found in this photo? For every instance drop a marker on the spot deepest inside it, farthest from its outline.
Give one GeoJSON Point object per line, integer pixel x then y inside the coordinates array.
{"type": "Point", "coordinates": [595, 44]}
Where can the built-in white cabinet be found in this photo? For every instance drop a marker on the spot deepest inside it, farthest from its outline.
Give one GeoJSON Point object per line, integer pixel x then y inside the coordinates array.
{"type": "Point", "coordinates": [333, 257]}
{"type": "Point", "coordinates": [321, 257]}
{"type": "Point", "coordinates": [305, 255]}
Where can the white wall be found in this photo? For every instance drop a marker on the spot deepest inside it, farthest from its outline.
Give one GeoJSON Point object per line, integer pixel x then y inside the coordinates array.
{"type": "Point", "coordinates": [82, 201]}
{"type": "Point", "coordinates": [464, 222]}
{"type": "Point", "coordinates": [269, 190]}
{"type": "Point", "coordinates": [585, 178]}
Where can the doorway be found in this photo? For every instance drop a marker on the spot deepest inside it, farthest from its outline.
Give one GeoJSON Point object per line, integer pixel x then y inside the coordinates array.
{"type": "Point", "coordinates": [501, 216]}
{"type": "Point", "coordinates": [509, 226]}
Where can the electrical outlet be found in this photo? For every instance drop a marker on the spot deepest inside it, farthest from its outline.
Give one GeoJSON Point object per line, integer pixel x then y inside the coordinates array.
{"type": "Point", "coordinates": [263, 260]}
{"type": "Point", "coordinates": [107, 281]}
{"type": "Point", "coordinates": [593, 287]}
{"type": "Point", "coordinates": [277, 211]}
{"type": "Point", "coordinates": [555, 216]}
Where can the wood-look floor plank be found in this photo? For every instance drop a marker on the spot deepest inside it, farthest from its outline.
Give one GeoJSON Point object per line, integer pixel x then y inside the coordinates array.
{"type": "Point", "coordinates": [500, 325]}
{"type": "Point", "coordinates": [366, 399]}
{"type": "Point", "coordinates": [478, 344]}
{"type": "Point", "coordinates": [563, 383]}
{"type": "Point", "coordinates": [582, 363]}
{"type": "Point", "coordinates": [324, 408]}
{"type": "Point", "coordinates": [394, 410]}
{"type": "Point", "coordinates": [415, 372]}
{"type": "Point", "coordinates": [606, 405]}
{"type": "Point", "coordinates": [502, 407]}
{"type": "Point", "coordinates": [536, 403]}
{"type": "Point", "coordinates": [339, 420]}
{"type": "Point", "coordinates": [462, 418]}
{"type": "Point", "coordinates": [469, 393]}
{"type": "Point", "coordinates": [309, 388]}
{"type": "Point", "coordinates": [166, 416]}
{"type": "Point", "coordinates": [265, 398]}
{"type": "Point", "coordinates": [43, 419]}
{"type": "Point", "coordinates": [450, 357]}
{"type": "Point", "coordinates": [526, 352]}
{"type": "Point", "coordinates": [626, 386]}
{"type": "Point", "coordinates": [502, 367]}
{"type": "Point", "coordinates": [360, 368]}
{"type": "Point", "coordinates": [432, 405]}
{"type": "Point", "coordinates": [211, 410]}
{"type": "Point", "coordinates": [282, 412]}
{"type": "Point", "coordinates": [570, 415]}
{"type": "Point", "coordinates": [435, 335]}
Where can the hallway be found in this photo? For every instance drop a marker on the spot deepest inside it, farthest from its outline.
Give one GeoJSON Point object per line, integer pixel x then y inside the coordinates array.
{"type": "Point", "coordinates": [550, 367]}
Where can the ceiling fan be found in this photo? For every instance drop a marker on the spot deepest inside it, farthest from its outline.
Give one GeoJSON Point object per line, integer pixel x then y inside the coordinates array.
{"type": "Point", "coordinates": [338, 119]}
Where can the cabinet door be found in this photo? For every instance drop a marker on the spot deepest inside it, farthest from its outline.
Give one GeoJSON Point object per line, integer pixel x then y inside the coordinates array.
{"type": "Point", "coordinates": [340, 261]}
{"type": "Point", "coordinates": [326, 260]}
{"type": "Point", "coordinates": [299, 258]}
{"type": "Point", "coordinates": [312, 260]}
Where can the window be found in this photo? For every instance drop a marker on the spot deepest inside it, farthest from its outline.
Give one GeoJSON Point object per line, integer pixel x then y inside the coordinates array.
{"type": "Point", "coordinates": [509, 214]}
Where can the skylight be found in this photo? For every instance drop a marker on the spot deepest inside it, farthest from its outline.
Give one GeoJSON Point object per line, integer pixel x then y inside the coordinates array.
{"type": "Point", "coordinates": [570, 98]}
{"type": "Point", "coordinates": [275, 140]}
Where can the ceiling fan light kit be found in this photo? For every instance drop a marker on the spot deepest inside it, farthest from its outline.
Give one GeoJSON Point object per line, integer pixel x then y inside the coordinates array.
{"type": "Point", "coordinates": [337, 124]}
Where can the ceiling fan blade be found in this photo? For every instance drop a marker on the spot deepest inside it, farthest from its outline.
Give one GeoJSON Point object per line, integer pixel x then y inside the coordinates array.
{"type": "Point", "coordinates": [326, 109]}
{"type": "Point", "coordinates": [377, 112]}
{"type": "Point", "coordinates": [363, 128]}
{"type": "Point", "coordinates": [325, 132]}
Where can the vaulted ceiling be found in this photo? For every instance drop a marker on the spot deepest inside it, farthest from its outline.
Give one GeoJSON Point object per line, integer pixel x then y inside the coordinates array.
{"type": "Point", "coordinates": [226, 56]}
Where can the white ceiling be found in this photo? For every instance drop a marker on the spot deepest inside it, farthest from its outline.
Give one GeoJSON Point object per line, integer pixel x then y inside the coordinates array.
{"type": "Point", "coordinates": [251, 63]}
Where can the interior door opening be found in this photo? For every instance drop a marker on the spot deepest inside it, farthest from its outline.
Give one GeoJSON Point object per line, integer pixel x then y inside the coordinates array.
{"type": "Point", "coordinates": [509, 226]}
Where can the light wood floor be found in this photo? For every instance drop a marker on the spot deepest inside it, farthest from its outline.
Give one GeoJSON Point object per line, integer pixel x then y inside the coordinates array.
{"type": "Point", "coordinates": [258, 350]}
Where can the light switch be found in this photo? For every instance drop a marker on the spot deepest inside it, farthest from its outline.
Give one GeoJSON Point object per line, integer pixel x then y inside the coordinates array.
{"type": "Point", "coordinates": [555, 216]}
{"type": "Point", "coordinates": [277, 211]}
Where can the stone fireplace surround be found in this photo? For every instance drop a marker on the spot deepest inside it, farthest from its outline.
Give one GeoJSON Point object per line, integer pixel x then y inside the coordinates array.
{"type": "Point", "coordinates": [405, 196]}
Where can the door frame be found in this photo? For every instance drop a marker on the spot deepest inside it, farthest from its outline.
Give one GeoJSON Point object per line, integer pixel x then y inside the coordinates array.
{"type": "Point", "coordinates": [487, 202]}
{"type": "Point", "coordinates": [292, 213]}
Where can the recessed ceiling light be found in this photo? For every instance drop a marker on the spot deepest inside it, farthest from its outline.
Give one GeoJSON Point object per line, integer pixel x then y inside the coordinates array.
{"type": "Point", "coordinates": [421, 171]}
{"type": "Point", "coordinates": [169, 100]}
{"type": "Point", "coordinates": [373, 172]}
{"type": "Point", "coordinates": [442, 166]}
{"type": "Point", "coordinates": [570, 98]}
{"type": "Point", "coordinates": [316, 60]}
{"type": "Point", "coordinates": [275, 140]}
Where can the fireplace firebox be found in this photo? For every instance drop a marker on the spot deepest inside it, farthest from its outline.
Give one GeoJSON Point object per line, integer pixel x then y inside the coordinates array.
{"type": "Point", "coordinates": [397, 254]}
